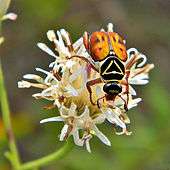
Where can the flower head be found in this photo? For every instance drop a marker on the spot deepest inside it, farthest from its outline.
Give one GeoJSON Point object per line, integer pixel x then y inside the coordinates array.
{"type": "Point", "coordinates": [66, 85]}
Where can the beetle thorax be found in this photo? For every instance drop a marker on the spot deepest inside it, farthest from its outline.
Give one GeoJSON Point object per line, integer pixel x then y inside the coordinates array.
{"type": "Point", "coordinates": [112, 69]}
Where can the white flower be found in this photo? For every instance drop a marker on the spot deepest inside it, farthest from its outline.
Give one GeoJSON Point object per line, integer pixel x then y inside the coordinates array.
{"type": "Point", "coordinates": [65, 85]}
{"type": "Point", "coordinates": [74, 123]}
{"type": "Point", "coordinates": [138, 72]}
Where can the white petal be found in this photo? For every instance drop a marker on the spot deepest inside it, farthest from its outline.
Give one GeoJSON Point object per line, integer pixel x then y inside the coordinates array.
{"type": "Point", "coordinates": [138, 81]}
{"type": "Point", "coordinates": [116, 120]}
{"type": "Point", "coordinates": [49, 77]}
{"type": "Point", "coordinates": [65, 35]}
{"type": "Point", "coordinates": [99, 119]}
{"type": "Point", "coordinates": [141, 76]}
{"type": "Point", "coordinates": [33, 77]}
{"type": "Point", "coordinates": [64, 132]}
{"type": "Point", "coordinates": [137, 100]}
{"type": "Point", "coordinates": [85, 115]}
{"type": "Point", "coordinates": [132, 91]}
{"type": "Point", "coordinates": [60, 42]}
{"type": "Point", "coordinates": [50, 91]}
{"type": "Point", "coordinates": [57, 103]}
{"type": "Point", "coordinates": [52, 64]}
{"type": "Point", "coordinates": [64, 111]}
{"type": "Point", "coordinates": [80, 50]}
{"type": "Point", "coordinates": [24, 84]}
{"type": "Point", "coordinates": [37, 95]}
{"type": "Point", "coordinates": [51, 35]}
{"type": "Point", "coordinates": [11, 16]}
{"type": "Point", "coordinates": [113, 118]}
{"type": "Point", "coordinates": [131, 50]}
{"type": "Point", "coordinates": [78, 43]}
{"type": "Point", "coordinates": [131, 106]}
{"type": "Point", "coordinates": [101, 136]}
{"type": "Point", "coordinates": [134, 102]}
{"type": "Point", "coordinates": [144, 60]}
{"type": "Point", "coordinates": [52, 119]}
{"type": "Point", "coordinates": [88, 145]}
{"type": "Point", "coordinates": [44, 47]}
{"type": "Point", "coordinates": [77, 139]}
{"type": "Point", "coordinates": [70, 63]}
{"type": "Point", "coordinates": [42, 70]}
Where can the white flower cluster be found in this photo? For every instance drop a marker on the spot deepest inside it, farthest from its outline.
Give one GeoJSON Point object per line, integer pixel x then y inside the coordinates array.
{"type": "Point", "coordinates": [65, 85]}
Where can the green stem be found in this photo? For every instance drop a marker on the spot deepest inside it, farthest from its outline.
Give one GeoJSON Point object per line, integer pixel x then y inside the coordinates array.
{"type": "Point", "coordinates": [49, 158]}
{"type": "Point", "coordinates": [13, 154]}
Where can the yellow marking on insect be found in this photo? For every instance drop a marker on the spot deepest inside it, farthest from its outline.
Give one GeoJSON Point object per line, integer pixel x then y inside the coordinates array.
{"type": "Point", "coordinates": [114, 91]}
{"type": "Point", "coordinates": [114, 72]}
{"type": "Point", "coordinates": [107, 81]}
{"type": "Point", "coordinates": [119, 68]}
{"type": "Point", "coordinates": [105, 72]}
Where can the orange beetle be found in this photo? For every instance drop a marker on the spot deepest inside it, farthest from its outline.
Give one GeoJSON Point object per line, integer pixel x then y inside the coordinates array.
{"type": "Point", "coordinates": [108, 53]}
{"type": "Point", "coordinates": [100, 44]}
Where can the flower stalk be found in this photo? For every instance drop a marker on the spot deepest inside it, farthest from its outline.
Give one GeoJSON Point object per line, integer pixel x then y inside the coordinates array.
{"type": "Point", "coordinates": [46, 160]}
{"type": "Point", "coordinates": [12, 155]}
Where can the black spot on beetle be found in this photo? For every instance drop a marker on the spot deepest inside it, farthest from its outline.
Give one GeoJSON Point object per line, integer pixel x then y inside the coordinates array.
{"type": "Point", "coordinates": [103, 39]}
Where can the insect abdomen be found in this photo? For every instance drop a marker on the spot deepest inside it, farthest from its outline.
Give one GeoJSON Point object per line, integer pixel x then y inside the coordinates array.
{"type": "Point", "coordinates": [112, 88]}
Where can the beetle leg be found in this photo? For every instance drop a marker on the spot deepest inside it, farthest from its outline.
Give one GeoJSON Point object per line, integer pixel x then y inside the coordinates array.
{"type": "Point", "coordinates": [131, 62]}
{"type": "Point", "coordinates": [125, 103]}
{"type": "Point", "coordinates": [91, 83]}
{"type": "Point", "coordinates": [56, 75]}
{"type": "Point", "coordinates": [86, 60]}
{"type": "Point", "coordinates": [127, 89]}
{"type": "Point", "coordinates": [98, 101]}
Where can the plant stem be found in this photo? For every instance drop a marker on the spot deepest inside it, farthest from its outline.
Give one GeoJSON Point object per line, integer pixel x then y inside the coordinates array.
{"type": "Point", "coordinates": [13, 154]}
{"type": "Point", "coordinates": [49, 158]}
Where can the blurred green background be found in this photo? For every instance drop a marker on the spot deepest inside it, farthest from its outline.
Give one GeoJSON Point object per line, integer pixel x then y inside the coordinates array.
{"type": "Point", "coordinates": [146, 26]}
